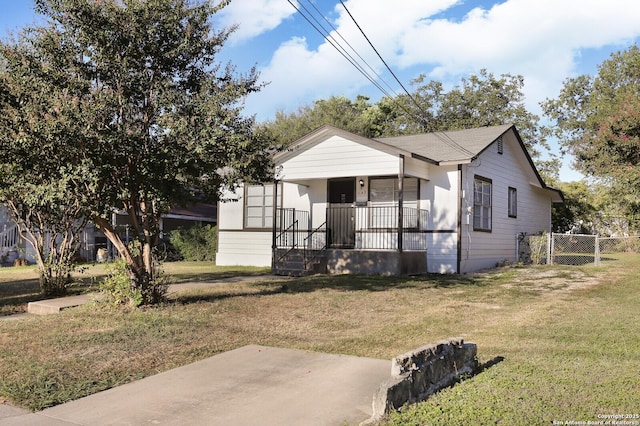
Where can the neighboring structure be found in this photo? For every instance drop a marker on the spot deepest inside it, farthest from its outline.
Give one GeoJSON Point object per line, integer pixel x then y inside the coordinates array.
{"type": "Point", "coordinates": [12, 246]}
{"type": "Point", "coordinates": [9, 238]}
{"type": "Point", "coordinates": [446, 202]}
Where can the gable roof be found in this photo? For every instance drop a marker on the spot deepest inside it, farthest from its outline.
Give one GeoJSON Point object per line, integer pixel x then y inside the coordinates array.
{"type": "Point", "coordinates": [450, 146]}
{"type": "Point", "coordinates": [325, 132]}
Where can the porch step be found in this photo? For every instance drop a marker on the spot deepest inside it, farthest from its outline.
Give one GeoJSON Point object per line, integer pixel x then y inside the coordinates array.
{"type": "Point", "coordinates": [293, 265]}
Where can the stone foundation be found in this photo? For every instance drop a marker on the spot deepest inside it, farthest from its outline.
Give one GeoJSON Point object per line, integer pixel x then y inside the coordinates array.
{"type": "Point", "coordinates": [371, 262]}
{"type": "Point", "coordinates": [422, 372]}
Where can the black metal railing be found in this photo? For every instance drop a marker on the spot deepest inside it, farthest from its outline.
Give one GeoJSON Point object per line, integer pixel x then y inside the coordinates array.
{"type": "Point", "coordinates": [358, 227]}
{"type": "Point", "coordinates": [377, 227]}
{"type": "Point", "coordinates": [315, 244]}
{"type": "Point", "coordinates": [292, 226]}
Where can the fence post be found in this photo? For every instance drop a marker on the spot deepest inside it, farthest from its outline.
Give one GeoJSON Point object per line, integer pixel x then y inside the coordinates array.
{"type": "Point", "coordinates": [550, 248]}
{"type": "Point", "coordinates": [596, 255]}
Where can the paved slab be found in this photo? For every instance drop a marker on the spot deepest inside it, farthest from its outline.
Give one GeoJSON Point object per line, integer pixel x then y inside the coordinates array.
{"type": "Point", "coordinates": [54, 306]}
{"type": "Point", "coordinates": [8, 411]}
{"type": "Point", "coordinates": [248, 386]}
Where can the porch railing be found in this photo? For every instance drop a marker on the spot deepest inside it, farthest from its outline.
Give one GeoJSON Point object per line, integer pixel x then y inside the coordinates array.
{"type": "Point", "coordinates": [376, 228]}
{"type": "Point", "coordinates": [9, 237]}
{"type": "Point", "coordinates": [315, 244]}
{"type": "Point", "coordinates": [355, 227]}
{"type": "Point", "coordinates": [292, 227]}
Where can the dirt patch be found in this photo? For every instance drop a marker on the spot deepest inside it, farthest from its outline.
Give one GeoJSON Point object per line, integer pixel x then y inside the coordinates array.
{"type": "Point", "coordinates": [552, 280]}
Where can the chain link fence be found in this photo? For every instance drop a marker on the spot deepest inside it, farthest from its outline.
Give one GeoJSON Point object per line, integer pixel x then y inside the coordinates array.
{"type": "Point", "coordinates": [573, 249]}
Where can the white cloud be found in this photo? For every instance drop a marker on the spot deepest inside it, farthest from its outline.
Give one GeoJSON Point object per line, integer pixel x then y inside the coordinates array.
{"type": "Point", "coordinates": [254, 17]}
{"type": "Point", "coordinates": [539, 39]}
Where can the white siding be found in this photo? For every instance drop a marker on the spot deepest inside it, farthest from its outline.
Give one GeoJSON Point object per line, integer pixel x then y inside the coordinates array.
{"type": "Point", "coordinates": [236, 246]}
{"type": "Point", "coordinates": [440, 197]}
{"type": "Point", "coordinates": [511, 169]}
{"type": "Point", "coordinates": [231, 211]}
{"type": "Point", "coordinates": [416, 168]}
{"type": "Point", "coordinates": [339, 157]}
{"type": "Point", "coordinates": [318, 197]}
{"type": "Point", "coordinates": [244, 248]}
{"type": "Point", "coordinates": [442, 253]}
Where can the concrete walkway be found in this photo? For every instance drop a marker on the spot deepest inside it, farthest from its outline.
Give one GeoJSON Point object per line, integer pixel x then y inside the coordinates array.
{"type": "Point", "coordinates": [251, 385]}
{"type": "Point", "coordinates": [54, 306]}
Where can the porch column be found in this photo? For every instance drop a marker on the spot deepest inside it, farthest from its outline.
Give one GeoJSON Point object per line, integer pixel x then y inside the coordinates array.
{"type": "Point", "coordinates": [400, 201]}
{"type": "Point", "coordinates": [275, 222]}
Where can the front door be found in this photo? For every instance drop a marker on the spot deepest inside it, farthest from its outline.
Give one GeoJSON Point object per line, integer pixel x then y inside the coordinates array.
{"type": "Point", "coordinates": [341, 222]}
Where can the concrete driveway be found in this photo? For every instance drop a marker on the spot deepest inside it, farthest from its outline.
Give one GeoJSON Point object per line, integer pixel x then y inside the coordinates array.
{"type": "Point", "coordinates": [252, 385]}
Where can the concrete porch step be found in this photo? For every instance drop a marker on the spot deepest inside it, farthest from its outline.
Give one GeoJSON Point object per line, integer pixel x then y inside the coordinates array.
{"type": "Point", "coordinates": [54, 306]}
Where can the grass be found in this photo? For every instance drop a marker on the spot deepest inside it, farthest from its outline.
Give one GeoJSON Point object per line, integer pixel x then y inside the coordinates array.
{"type": "Point", "coordinates": [568, 337]}
{"type": "Point", "coordinates": [19, 285]}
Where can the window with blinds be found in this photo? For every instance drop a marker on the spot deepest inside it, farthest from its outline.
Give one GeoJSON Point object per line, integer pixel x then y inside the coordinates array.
{"type": "Point", "coordinates": [481, 204]}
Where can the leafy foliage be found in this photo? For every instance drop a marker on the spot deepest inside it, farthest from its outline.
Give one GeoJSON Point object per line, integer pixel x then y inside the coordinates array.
{"type": "Point", "coordinates": [117, 285]}
{"type": "Point", "coordinates": [198, 243]}
{"type": "Point", "coordinates": [141, 115]}
{"type": "Point", "coordinates": [597, 119]}
{"type": "Point", "coordinates": [358, 116]}
{"type": "Point", "coordinates": [480, 100]}
{"type": "Point", "coordinates": [538, 248]}
{"type": "Point", "coordinates": [37, 122]}
{"type": "Point", "coordinates": [577, 213]}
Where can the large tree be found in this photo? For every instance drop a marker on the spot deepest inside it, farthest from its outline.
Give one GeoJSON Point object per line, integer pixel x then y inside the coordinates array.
{"type": "Point", "coordinates": [161, 120]}
{"type": "Point", "coordinates": [597, 119]}
{"type": "Point", "coordinates": [357, 116]}
{"type": "Point", "coordinates": [480, 100]}
{"type": "Point", "coordinates": [38, 122]}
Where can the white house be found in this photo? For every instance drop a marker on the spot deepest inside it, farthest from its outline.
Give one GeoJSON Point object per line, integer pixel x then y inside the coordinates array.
{"type": "Point", "coordinates": [446, 202]}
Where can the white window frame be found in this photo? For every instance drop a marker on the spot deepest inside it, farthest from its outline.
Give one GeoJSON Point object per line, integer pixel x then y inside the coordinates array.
{"type": "Point", "coordinates": [386, 188]}
{"type": "Point", "coordinates": [258, 206]}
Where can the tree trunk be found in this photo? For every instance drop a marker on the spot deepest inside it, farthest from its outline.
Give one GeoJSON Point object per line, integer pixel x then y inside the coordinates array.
{"type": "Point", "coordinates": [140, 265]}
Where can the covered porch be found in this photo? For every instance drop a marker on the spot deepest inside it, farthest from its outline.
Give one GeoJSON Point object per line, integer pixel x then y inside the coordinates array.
{"type": "Point", "coordinates": [353, 202]}
{"type": "Point", "coordinates": [354, 238]}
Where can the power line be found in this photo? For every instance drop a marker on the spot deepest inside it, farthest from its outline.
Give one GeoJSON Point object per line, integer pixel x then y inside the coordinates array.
{"type": "Point", "coordinates": [308, 16]}
{"type": "Point", "coordinates": [444, 137]}
{"type": "Point", "coordinates": [351, 47]}
{"type": "Point", "coordinates": [326, 34]}
{"type": "Point", "coordinates": [382, 59]}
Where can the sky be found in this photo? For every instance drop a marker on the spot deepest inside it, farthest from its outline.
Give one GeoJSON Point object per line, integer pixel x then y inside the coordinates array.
{"type": "Point", "coordinates": [545, 41]}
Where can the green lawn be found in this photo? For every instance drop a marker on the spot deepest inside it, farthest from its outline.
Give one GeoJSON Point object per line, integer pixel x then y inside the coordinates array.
{"type": "Point", "coordinates": [565, 340]}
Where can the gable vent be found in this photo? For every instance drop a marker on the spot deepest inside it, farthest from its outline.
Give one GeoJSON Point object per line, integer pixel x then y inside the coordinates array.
{"type": "Point", "coordinates": [500, 146]}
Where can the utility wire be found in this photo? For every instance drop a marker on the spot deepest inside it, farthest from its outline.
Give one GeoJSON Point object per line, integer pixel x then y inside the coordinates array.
{"type": "Point", "coordinates": [381, 58]}
{"type": "Point", "coordinates": [336, 45]}
{"type": "Point", "coordinates": [308, 15]}
{"type": "Point", "coordinates": [443, 137]}
{"type": "Point", "coordinates": [351, 47]}
{"type": "Point", "coordinates": [327, 36]}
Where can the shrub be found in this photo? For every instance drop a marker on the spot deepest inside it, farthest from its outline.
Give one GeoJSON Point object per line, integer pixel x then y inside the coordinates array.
{"type": "Point", "coordinates": [197, 243]}
{"type": "Point", "coordinates": [117, 285]}
{"type": "Point", "coordinates": [538, 247]}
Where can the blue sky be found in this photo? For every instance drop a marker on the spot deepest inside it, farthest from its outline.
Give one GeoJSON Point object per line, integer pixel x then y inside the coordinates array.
{"type": "Point", "coordinates": [545, 41]}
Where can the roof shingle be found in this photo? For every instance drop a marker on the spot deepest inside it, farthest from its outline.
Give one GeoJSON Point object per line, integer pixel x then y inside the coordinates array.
{"type": "Point", "coordinates": [456, 145]}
